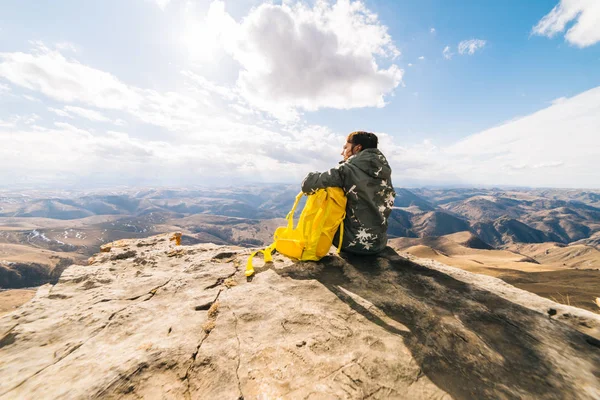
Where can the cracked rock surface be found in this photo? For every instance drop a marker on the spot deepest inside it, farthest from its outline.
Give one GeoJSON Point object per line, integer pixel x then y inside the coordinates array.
{"type": "Point", "coordinates": [148, 319]}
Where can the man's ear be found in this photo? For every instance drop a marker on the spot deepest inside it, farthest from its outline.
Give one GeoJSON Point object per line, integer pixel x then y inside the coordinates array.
{"type": "Point", "coordinates": [358, 148]}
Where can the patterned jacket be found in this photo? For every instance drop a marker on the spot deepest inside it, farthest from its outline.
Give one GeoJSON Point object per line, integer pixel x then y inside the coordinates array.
{"type": "Point", "coordinates": [366, 179]}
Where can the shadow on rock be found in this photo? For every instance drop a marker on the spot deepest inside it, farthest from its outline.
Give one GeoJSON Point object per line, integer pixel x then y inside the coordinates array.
{"type": "Point", "coordinates": [470, 342]}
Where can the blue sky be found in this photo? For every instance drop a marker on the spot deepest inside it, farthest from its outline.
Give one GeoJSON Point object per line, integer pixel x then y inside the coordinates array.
{"type": "Point", "coordinates": [202, 92]}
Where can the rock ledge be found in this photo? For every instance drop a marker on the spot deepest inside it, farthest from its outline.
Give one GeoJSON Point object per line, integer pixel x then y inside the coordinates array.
{"type": "Point", "coordinates": [149, 319]}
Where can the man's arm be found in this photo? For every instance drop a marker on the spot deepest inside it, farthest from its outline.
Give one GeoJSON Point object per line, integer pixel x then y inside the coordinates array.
{"type": "Point", "coordinates": [321, 180]}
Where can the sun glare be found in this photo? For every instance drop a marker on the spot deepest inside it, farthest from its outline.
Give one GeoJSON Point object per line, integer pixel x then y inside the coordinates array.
{"type": "Point", "coordinates": [206, 37]}
{"type": "Point", "coordinates": [199, 40]}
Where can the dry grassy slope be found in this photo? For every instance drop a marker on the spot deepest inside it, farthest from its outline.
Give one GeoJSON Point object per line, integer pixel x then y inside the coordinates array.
{"type": "Point", "coordinates": [593, 240]}
{"type": "Point", "coordinates": [24, 254]}
{"type": "Point", "coordinates": [24, 266]}
{"type": "Point", "coordinates": [561, 256]}
{"type": "Point", "coordinates": [567, 274]}
{"type": "Point", "coordinates": [445, 250]}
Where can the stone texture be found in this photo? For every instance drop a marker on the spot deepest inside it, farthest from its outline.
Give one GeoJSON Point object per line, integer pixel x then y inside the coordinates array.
{"type": "Point", "coordinates": [149, 319]}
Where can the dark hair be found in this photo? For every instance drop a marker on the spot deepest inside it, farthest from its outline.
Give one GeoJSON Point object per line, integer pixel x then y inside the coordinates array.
{"type": "Point", "coordinates": [367, 140]}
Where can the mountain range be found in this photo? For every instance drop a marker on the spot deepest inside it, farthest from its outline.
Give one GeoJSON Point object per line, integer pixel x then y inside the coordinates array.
{"type": "Point", "coordinates": [499, 217]}
{"type": "Point", "coordinates": [47, 230]}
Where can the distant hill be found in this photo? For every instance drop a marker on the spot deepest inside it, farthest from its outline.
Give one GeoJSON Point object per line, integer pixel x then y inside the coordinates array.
{"type": "Point", "coordinates": [468, 239]}
{"type": "Point", "coordinates": [438, 223]}
{"type": "Point", "coordinates": [406, 198]}
{"type": "Point", "coordinates": [500, 217]}
{"type": "Point", "coordinates": [481, 208]}
{"type": "Point", "coordinates": [400, 223]}
{"type": "Point", "coordinates": [593, 240]}
{"type": "Point", "coordinates": [507, 230]}
{"type": "Point", "coordinates": [244, 202]}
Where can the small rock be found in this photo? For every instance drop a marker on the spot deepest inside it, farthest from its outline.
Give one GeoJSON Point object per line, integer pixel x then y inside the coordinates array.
{"type": "Point", "coordinates": [208, 326]}
{"type": "Point", "coordinates": [229, 282]}
{"type": "Point", "coordinates": [177, 238]}
{"type": "Point", "coordinates": [175, 253]}
{"type": "Point", "coordinates": [124, 255]}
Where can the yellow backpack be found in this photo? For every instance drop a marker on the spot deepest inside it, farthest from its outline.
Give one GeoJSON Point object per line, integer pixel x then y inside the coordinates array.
{"type": "Point", "coordinates": [312, 238]}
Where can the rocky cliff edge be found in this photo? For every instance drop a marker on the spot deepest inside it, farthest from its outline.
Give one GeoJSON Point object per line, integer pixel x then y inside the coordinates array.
{"type": "Point", "coordinates": [149, 319]}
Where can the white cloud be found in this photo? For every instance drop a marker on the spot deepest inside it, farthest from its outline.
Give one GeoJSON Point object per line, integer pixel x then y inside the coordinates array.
{"type": "Point", "coordinates": [421, 162]}
{"type": "Point", "coordinates": [18, 120]}
{"type": "Point", "coordinates": [432, 31]}
{"type": "Point", "coordinates": [294, 57]}
{"type": "Point", "coordinates": [66, 154]}
{"type": "Point", "coordinates": [410, 65]}
{"type": "Point", "coordinates": [92, 115]}
{"type": "Point", "coordinates": [31, 98]}
{"type": "Point", "coordinates": [207, 39]}
{"type": "Point", "coordinates": [209, 87]}
{"type": "Point", "coordinates": [559, 100]}
{"type": "Point", "coordinates": [422, 58]}
{"type": "Point", "coordinates": [470, 46]}
{"type": "Point", "coordinates": [557, 146]}
{"type": "Point", "coordinates": [68, 81]}
{"type": "Point", "coordinates": [49, 72]}
{"type": "Point", "coordinates": [447, 53]}
{"type": "Point", "coordinates": [60, 113]}
{"type": "Point", "coordinates": [201, 134]}
{"type": "Point", "coordinates": [586, 28]}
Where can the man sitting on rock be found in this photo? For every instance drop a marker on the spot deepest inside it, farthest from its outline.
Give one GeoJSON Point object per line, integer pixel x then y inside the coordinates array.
{"type": "Point", "coordinates": [365, 177]}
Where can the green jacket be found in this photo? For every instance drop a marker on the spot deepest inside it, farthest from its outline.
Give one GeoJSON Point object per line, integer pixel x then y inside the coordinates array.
{"type": "Point", "coordinates": [366, 180]}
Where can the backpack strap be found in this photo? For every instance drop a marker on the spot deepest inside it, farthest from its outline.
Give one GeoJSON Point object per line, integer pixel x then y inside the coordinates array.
{"type": "Point", "coordinates": [290, 216]}
{"type": "Point", "coordinates": [339, 248]}
{"type": "Point", "coordinates": [341, 235]}
{"type": "Point", "coordinates": [267, 252]}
